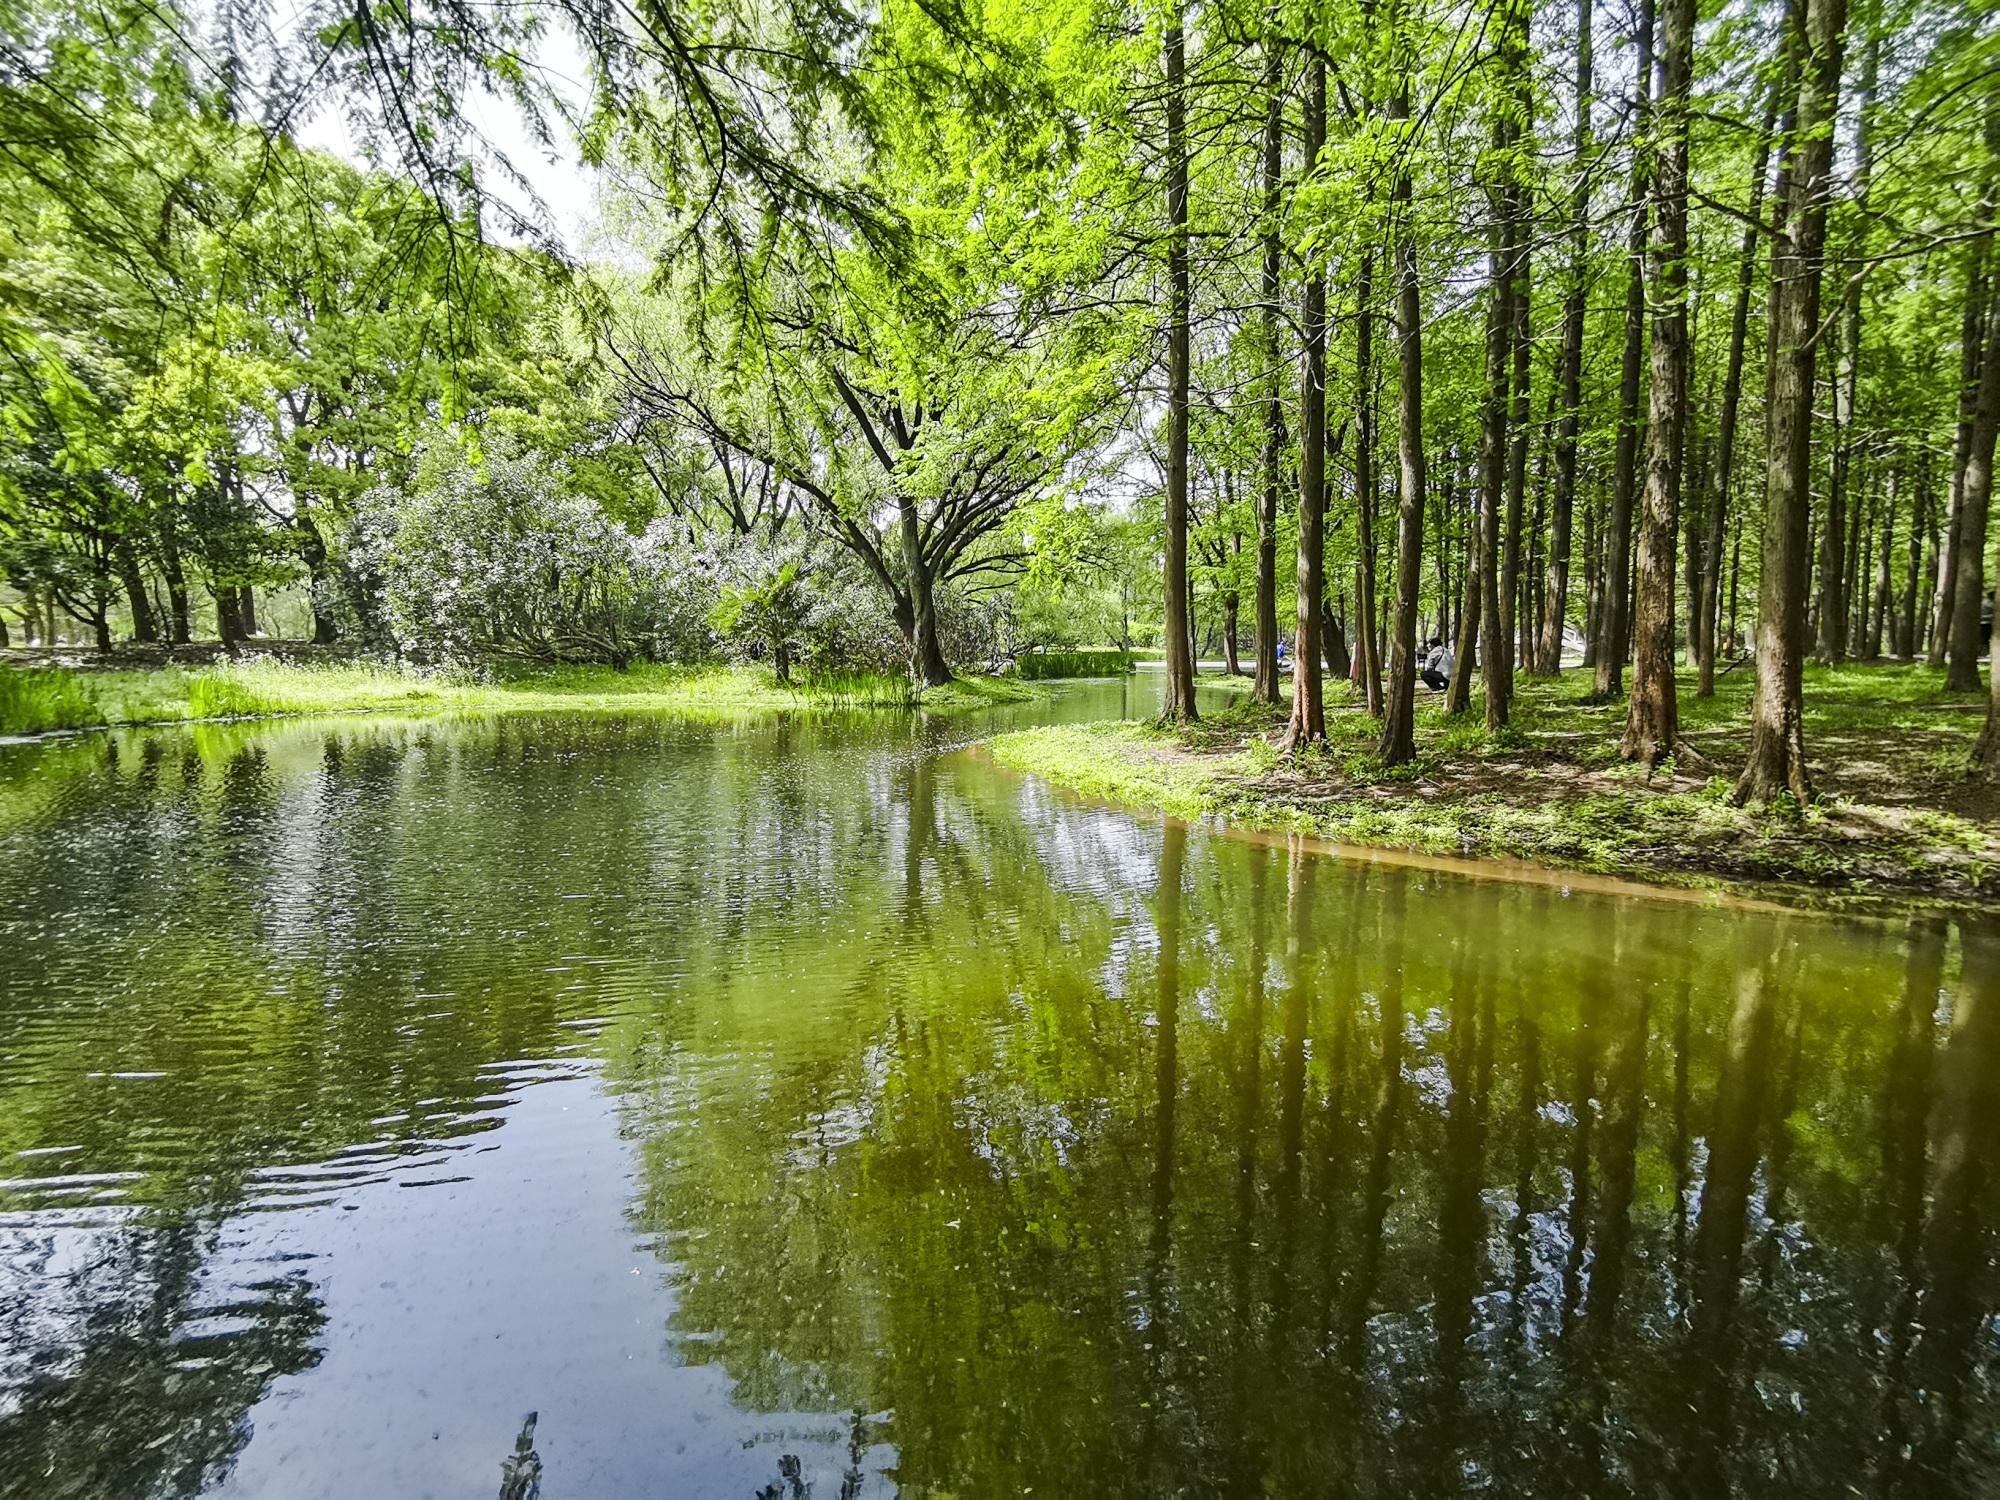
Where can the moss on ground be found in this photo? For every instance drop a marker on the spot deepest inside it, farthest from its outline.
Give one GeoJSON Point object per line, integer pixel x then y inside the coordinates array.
{"type": "Point", "coordinates": [34, 700]}
{"type": "Point", "coordinates": [1898, 813]}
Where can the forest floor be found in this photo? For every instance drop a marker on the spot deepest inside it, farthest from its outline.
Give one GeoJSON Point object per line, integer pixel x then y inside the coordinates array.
{"type": "Point", "coordinates": [38, 697]}
{"type": "Point", "coordinates": [1896, 813]}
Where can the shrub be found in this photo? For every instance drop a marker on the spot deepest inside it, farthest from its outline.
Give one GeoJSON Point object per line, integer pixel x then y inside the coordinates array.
{"type": "Point", "coordinates": [794, 601]}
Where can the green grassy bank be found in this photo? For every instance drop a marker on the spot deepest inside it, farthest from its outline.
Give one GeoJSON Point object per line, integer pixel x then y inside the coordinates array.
{"type": "Point", "coordinates": [35, 700]}
{"type": "Point", "coordinates": [1897, 813]}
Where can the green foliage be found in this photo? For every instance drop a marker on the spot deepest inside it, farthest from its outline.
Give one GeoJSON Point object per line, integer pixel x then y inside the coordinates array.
{"type": "Point", "coordinates": [1037, 665]}
{"type": "Point", "coordinates": [45, 698]}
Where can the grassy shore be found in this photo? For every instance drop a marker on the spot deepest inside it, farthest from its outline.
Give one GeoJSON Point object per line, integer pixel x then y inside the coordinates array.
{"type": "Point", "coordinates": [1897, 813]}
{"type": "Point", "coordinates": [36, 700]}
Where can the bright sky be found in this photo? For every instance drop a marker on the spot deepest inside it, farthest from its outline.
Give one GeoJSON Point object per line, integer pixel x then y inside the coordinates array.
{"type": "Point", "coordinates": [567, 189]}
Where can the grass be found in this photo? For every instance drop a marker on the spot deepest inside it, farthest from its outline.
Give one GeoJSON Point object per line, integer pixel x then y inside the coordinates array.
{"type": "Point", "coordinates": [1898, 813]}
{"type": "Point", "coordinates": [40, 699]}
{"type": "Point", "coordinates": [52, 699]}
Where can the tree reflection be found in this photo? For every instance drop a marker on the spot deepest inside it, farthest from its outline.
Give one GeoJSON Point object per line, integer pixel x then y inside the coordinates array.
{"type": "Point", "coordinates": [1032, 1145]}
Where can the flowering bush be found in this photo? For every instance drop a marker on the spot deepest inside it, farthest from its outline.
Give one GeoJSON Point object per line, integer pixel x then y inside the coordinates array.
{"type": "Point", "coordinates": [504, 561]}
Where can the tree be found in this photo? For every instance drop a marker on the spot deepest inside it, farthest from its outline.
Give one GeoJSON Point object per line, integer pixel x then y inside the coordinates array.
{"type": "Point", "coordinates": [1555, 591]}
{"type": "Point", "coordinates": [1398, 743]}
{"type": "Point", "coordinates": [1652, 723]}
{"type": "Point", "coordinates": [1179, 643]}
{"type": "Point", "coordinates": [1613, 616]}
{"type": "Point", "coordinates": [1264, 688]}
{"type": "Point", "coordinates": [1308, 721]}
{"type": "Point", "coordinates": [1777, 763]}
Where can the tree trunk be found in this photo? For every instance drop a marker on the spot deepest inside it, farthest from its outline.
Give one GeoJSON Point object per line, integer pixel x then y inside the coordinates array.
{"type": "Point", "coordinates": [1969, 593]}
{"type": "Point", "coordinates": [1364, 487]}
{"type": "Point", "coordinates": [1520, 102]}
{"type": "Point", "coordinates": [1704, 625]}
{"type": "Point", "coordinates": [1593, 584]}
{"type": "Point", "coordinates": [180, 622]}
{"type": "Point", "coordinates": [1333, 641]}
{"type": "Point", "coordinates": [1972, 334]}
{"type": "Point", "coordinates": [1485, 561]}
{"type": "Point", "coordinates": [246, 611]}
{"type": "Point", "coordinates": [144, 626]}
{"type": "Point", "coordinates": [1839, 564]}
{"type": "Point", "coordinates": [927, 663]}
{"type": "Point", "coordinates": [1885, 589]}
{"type": "Point", "coordinates": [228, 617]}
{"type": "Point", "coordinates": [1986, 752]}
{"type": "Point", "coordinates": [312, 551]}
{"type": "Point", "coordinates": [1652, 717]}
{"type": "Point", "coordinates": [1777, 763]}
{"type": "Point", "coordinates": [1862, 518]}
{"type": "Point", "coordinates": [1308, 725]}
{"type": "Point", "coordinates": [1399, 743]}
{"type": "Point", "coordinates": [1614, 618]}
{"type": "Point", "coordinates": [1913, 579]}
{"type": "Point", "coordinates": [1231, 602]}
{"type": "Point", "coordinates": [1180, 655]}
{"type": "Point", "coordinates": [1264, 688]}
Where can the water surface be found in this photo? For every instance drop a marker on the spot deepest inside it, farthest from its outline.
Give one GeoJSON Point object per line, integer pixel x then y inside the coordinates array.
{"type": "Point", "coordinates": [808, 1096]}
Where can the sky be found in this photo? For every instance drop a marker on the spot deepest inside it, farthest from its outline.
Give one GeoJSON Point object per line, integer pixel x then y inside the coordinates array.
{"type": "Point", "coordinates": [565, 187]}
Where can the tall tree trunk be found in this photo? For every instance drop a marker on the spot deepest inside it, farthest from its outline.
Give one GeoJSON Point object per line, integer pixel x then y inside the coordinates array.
{"type": "Point", "coordinates": [1913, 578]}
{"type": "Point", "coordinates": [1533, 565]}
{"type": "Point", "coordinates": [1484, 563]}
{"type": "Point", "coordinates": [1614, 619]}
{"type": "Point", "coordinates": [1838, 563]}
{"type": "Point", "coordinates": [1517, 463]}
{"type": "Point", "coordinates": [1885, 587]}
{"type": "Point", "coordinates": [1703, 627]}
{"type": "Point", "coordinates": [1231, 602]}
{"type": "Point", "coordinates": [1399, 743]}
{"type": "Point", "coordinates": [1652, 717]}
{"type": "Point", "coordinates": [927, 663]}
{"type": "Point", "coordinates": [1366, 639]}
{"type": "Point", "coordinates": [1593, 583]}
{"type": "Point", "coordinates": [228, 617]}
{"type": "Point", "coordinates": [246, 611]}
{"type": "Point", "coordinates": [1308, 725]}
{"type": "Point", "coordinates": [1264, 688]}
{"type": "Point", "coordinates": [1333, 644]}
{"type": "Point", "coordinates": [1180, 655]}
{"type": "Point", "coordinates": [312, 551]}
{"type": "Point", "coordinates": [1520, 102]}
{"type": "Point", "coordinates": [1777, 763]}
{"type": "Point", "coordinates": [180, 621]}
{"type": "Point", "coordinates": [1861, 516]}
{"type": "Point", "coordinates": [144, 626]}
{"type": "Point", "coordinates": [1569, 378]}
{"type": "Point", "coordinates": [1969, 593]}
{"type": "Point", "coordinates": [1971, 343]}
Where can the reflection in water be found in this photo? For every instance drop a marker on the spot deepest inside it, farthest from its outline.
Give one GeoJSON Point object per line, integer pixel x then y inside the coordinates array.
{"type": "Point", "coordinates": [792, 1107]}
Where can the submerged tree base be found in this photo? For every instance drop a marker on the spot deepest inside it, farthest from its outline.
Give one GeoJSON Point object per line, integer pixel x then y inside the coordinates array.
{"type": "Point", "coordinates": [1900, 815]}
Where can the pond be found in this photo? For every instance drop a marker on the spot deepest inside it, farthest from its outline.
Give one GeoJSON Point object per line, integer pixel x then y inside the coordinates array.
{"type": "Point", "coordinates": [808, 1103]}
